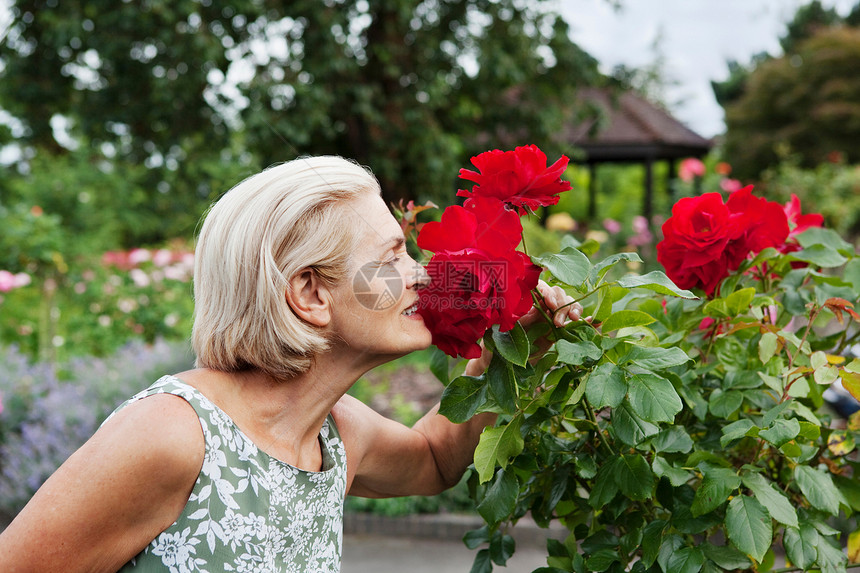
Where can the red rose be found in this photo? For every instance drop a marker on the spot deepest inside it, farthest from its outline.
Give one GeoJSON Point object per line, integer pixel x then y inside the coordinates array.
{"type": "Point", "coordinates": [693, 249]}
{"type": "Point", "coordinates": [762, 223]}
{"type": "Point", "coordinates": [478, 279]}
{"type": "Point", "coordinates": [705, 239]}
{"type": "Point", "coordinates": [519, 178]}
{"type": "Point", "coordinates": [800, 223]}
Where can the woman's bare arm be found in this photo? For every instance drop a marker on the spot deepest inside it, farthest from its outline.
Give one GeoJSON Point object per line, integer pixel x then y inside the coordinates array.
{"type": "Point", "coordinates": [388, 459]}
{"type": "Point", "coordinates": [128, 483]}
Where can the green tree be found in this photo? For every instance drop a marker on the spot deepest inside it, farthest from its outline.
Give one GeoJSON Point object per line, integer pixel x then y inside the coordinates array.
{"type": "Point", "coordinates": [407, 88]}
{"type": "Point", "coordinates": [806, 103]}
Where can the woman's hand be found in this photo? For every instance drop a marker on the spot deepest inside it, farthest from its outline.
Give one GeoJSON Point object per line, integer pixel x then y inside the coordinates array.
{"type": "Point", "coordinates": [557, 303]}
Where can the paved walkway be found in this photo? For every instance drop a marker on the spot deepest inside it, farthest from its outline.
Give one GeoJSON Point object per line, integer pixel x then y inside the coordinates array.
{"type": "Point", "coordinates": [431, 544]}
{"type": "Point", "coordinates": [383, 554]}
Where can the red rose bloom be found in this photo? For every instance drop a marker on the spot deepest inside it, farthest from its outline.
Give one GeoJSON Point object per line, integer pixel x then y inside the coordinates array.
{"type": "Point", "coordinates": [705, 239]}
{"type": "Point", "coordinates": [519, 178]}
{"type": "Point", "coordinates": [478, 279]}
{"type": "Point", "coordinates": [762, 223]}
{"type": "Point", "coordinates": [800, 223]}
{"type": "Point", "coordinates": [693, 249]}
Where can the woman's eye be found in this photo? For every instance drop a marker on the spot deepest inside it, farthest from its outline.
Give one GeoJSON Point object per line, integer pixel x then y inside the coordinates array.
{"type": "Point", "coordinates": [393, 261]}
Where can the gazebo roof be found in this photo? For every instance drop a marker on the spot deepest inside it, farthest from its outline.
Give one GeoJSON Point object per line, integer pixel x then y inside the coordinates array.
{"type": "Point", "coordinates": [630, 128]}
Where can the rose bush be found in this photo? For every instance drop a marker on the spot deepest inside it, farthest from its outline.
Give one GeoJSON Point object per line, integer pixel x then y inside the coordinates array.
{"type": "Point", "coordinates": [679, 431]}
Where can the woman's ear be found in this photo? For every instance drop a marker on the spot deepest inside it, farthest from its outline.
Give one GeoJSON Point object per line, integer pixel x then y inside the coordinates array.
{"type": "Point", "coordinates": [309, 298]}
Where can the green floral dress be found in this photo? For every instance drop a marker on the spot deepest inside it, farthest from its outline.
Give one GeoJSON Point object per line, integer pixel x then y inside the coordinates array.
{"type": "Point", "coordinates": [249, 511]}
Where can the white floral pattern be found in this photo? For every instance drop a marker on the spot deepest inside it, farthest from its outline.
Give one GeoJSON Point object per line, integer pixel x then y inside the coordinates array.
{"type": "Point", "coordinates": [248, 511]}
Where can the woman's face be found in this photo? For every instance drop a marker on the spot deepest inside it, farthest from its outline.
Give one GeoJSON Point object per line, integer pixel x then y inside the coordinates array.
{"type": "Point", "coordinates": [375, 305]}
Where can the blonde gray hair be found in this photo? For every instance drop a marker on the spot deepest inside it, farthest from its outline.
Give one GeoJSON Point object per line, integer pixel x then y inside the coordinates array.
{"type": "Point", "coordinates": [258, 236]}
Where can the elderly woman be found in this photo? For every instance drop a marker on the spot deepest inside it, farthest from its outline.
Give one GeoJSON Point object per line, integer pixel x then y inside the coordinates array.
{"type": "Point", "coordinates": [243, 463]}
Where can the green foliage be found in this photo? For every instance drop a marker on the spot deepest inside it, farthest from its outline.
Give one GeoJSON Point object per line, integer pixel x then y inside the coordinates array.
{"type": "Point", "coordinates": [802, 102]}
{"type": "Point", "coordinates": [831, 188]}
{"type": "Point", "coordinates": [665, 443]}
{"type": "Point", "coordinates": [409, 88]}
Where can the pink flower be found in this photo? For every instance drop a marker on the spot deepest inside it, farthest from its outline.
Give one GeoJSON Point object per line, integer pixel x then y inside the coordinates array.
{"type": "Point", "coordinates": [9, 281]}
{"type": "Point", "coordinates": [691, 168]}
{"type": "Point", "coordinates": [162, 258]}
{"type": "Point", "coordinates": [612, 226]}
{"type": "Point", "coordinates": [137, 256]}
{"type": "Point", "coordinates": [730, 185]}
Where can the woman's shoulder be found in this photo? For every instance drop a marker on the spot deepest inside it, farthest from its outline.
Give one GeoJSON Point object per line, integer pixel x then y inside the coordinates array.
{"type": "Point", "coordinates": [164, 426]}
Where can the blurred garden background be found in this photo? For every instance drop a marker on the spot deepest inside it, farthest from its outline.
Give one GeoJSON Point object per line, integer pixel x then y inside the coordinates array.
{"type": "Point", "coordinates": [123, 121]}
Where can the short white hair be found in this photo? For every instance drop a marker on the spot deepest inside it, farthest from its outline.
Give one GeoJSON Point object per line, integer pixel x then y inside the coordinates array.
{"type": "Point", "coordinates": [257, 237]}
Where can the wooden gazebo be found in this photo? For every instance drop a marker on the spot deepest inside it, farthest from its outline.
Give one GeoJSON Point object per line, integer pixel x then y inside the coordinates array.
{"type": "Point", "coordinates": [630, 129]}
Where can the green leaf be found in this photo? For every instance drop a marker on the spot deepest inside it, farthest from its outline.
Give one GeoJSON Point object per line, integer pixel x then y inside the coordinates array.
{"type": "Point", "coordinates": [576, 353]}
{"type": "Point", "coordinates": [653, 398]}
{"type": "Point", "coordinates": [850, 489]}
{"type": "Point", "coordinates": [830, 557]}
{"type": "Point", "coordinates": [606, 386]}
{"type": "Point", "coordinates": [725, 403]}
{"type": "Point", "coordinates": [496, 447]}
{"type": "Point", "coordinates": [671, 544]}
{"type": "Point", "coordinates": [781, 431]}
{"type": "Point", "coordinates": [502, 547]}
{"type": "Point", "coordinates": [674, 439]}
{"type": "Point", "coordinates": [774, 413]}
{"type": "Point", "coordinates": [655, 281]}
{"type": "Point", "coordinates": [439, 366]}
{"type": "Point", "coordinates": [767, 346]}
{"type": "Point", "coordinates": [569, 266]}
{"type": "Point", "coordinates": [602, 560]}
{"type": "Point", "coordinates": [735, 431]}
{"type": "Point", "coordinates": [818, 488]}
{"type": "Point", "coordinates": [800, 545]}
{"type": "Point", "coordinates": [634, 477]}
{"type": "Point", "coordinates": [502, 383]}
{"type": "Point", "coordinates": [826, 237]}
{"type": "Point", "coordinates": [605, 488]}
{"type": "Point", "coordinates": [820, 255]}
{"type": "Point", "coordinates": [748, 526]}
{"type": "Point", "coordinates": [482, 562]}
{"type": "Point", "coordinates": [715, 489]}
{"type": "Point", "coordinates": [474, 538]}
{"type": "Point", "coordinates": [630, 428]}
{"type": "Point", "coordinates": [686, 560]}
{"type": "Point", "coordinates": [513, 345]}
{"type": "Point", "coordinates": [738, 302]}
{"type": "Point", "coordinates": [851, 273]}
{"type": "Point", "coordinates": [462, 398]}
{"type": "Point", "coordinates": [602, 267]}
{"type": "Point", "coordinates": [675, 475]}
{"type": "Point", "coordinates": [776, 503]}
{"type": "Point", "coordinates": [624, 319]}
{"type": "Point", "coordinates": [652, 538]}
{"type": "Point", "coordinates": [727, 557]}
{"type": "Point", "coordinates": [500, 499]}
{"type": "Point", "coordinates": [656, 358]}
{"type": "Point", "coordinates": [717, 308]}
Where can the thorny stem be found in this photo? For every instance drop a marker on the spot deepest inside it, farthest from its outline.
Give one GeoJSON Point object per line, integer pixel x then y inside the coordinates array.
{"type": "Point", "coordinates": [812, 316]}
{"type": "Point", "coordinates": [590, 413]}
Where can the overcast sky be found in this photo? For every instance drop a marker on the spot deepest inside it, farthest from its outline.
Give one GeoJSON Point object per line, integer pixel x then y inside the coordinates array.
{"type": "Point", "coordinates": [698, 37]}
